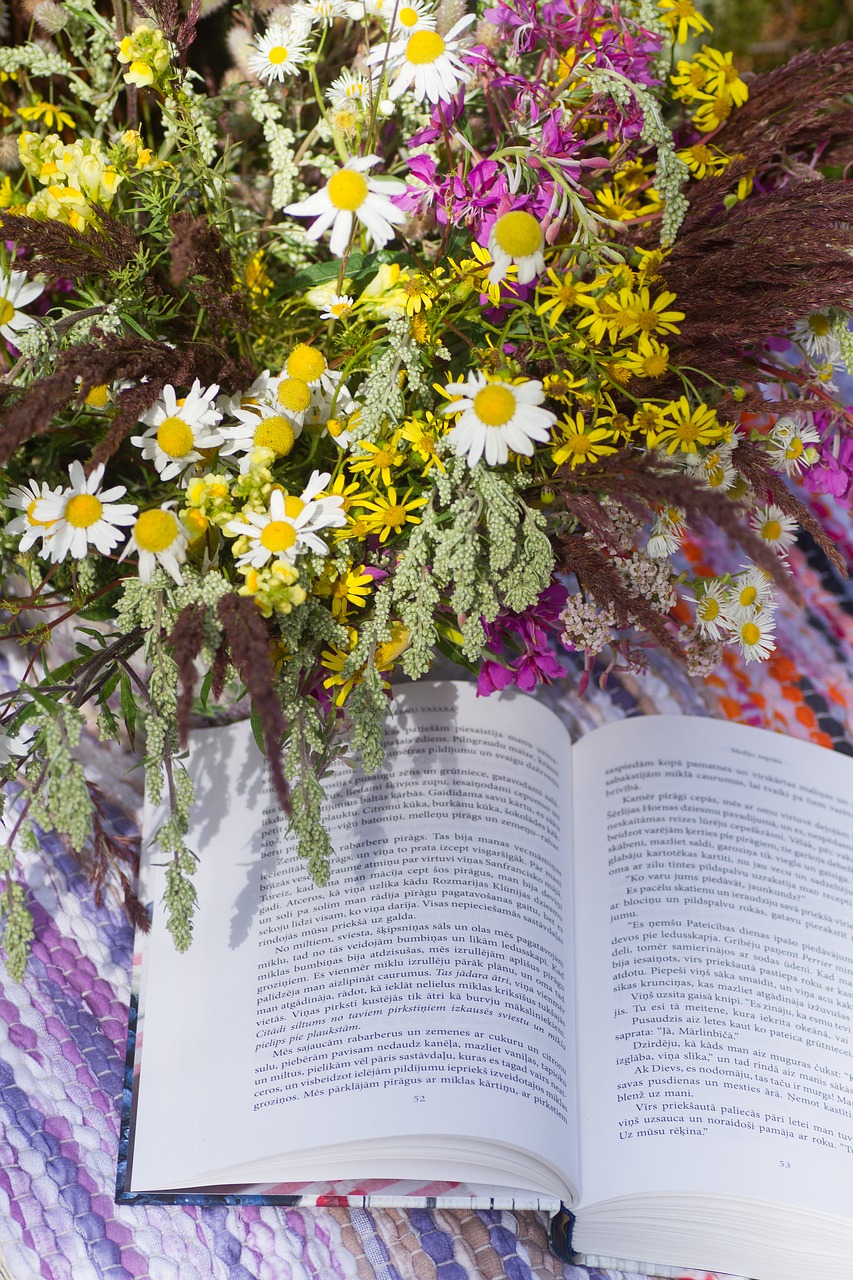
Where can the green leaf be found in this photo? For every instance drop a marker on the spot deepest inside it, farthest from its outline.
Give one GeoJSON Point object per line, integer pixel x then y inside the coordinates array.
{"type": "Point", "coordinates": [204, 692]}
{"type": "Point", "coordinates": [128, 708]}
{"type": "Point", "coordinates": [257, 729]}
{"type": "Point", "coordinates": [108, 687]}
{"type": "Point", "coordinates": [360, 267]}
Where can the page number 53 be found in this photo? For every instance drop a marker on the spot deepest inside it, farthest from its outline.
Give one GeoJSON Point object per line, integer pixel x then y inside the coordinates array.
{"type": "Point", "coordinates": [784, 1164]}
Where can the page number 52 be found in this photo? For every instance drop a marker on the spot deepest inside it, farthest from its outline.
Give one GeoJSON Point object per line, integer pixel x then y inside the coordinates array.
{"type": "Point", "coordinates": [419, 1097]}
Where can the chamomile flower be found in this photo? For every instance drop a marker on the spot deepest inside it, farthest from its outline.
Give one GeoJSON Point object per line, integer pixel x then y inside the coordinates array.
{"type": "Point", "coordinates": [412, 16]}
{"type": "Point", "coordinates": [16, 291]}
{"type": "Point", "coordinates": [179, 429]}
{"type": "Point", "coordinates": [349, 87]}
{"type": "Point", "coordinates": [82, 516]}
{"type": "Point", "coordinates": [258, 427]}
{"type": "Point", "coordinates": [774, 527]}
{"type": "Point", "coordinates": [158, 538]}
{"type": "Point", "coordinates": [749, 594]}
{"type": "Point", "coordinates": [348, 196]}
{"type": "Point", "coordinates": [516, 239]}
{"type": "Point", "coordinates": [496, 417]}
{"type": "Point", "coordinates": [310, 366]}
{"type": "Point", "coordinates": [792, 444]}
{"type": "Point", "coordinates": [24, 499]}
{"type": "Point", "coordinates": [710, 611]}
{"type": "Point", "coordinates": [337, 307]}
{"type": "Point", "coordinates": [279, 52]}
{"type": "Point", "coordinates": [754, 635]}
{"type": "Point", "coordinates": [290, 527]}
{"type": "Point", "coordinates": [426, 63]}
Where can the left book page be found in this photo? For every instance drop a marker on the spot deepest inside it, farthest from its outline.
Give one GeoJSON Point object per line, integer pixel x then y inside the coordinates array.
{"type": "Point", "coordinates": [408, 1021]}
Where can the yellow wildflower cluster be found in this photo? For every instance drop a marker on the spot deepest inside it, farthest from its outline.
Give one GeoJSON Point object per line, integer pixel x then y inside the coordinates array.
{"type": "Point", "coordinates": [335, 659]}
{"type": "Point", "coordinates": [74, 177]}
{"type": "Point", "coordinates": [711, 86]}
{"type": "Point", "coordinates": [630, 196]}
{"type": "Point", "coordinates": [274, 588]}
{"type": "Point", "coordinates": [146, 50]}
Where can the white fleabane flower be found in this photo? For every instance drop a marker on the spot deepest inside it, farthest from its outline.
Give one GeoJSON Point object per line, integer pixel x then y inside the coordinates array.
{"type": "Point", "coordinates": [349, 87]}
{"type": "Point", "coordinates": [362, 10]}
{"type": "Point", "coordinates": [326, 512]}
{"type": "Point", "coordinates": [24, 499]}
{"type": "Point", "coordinates": [320, 12]}
{"type": "Point", "coordinates": [749, 594]}
{"type": "Point", "coordinates": [16, 291]}
{"type": "Point", "coordinates": [259, 426]}
{"type": "Point", "coordinates": [425, 62]}
{"type": "Point", "coordinates": [82, 516]}
{"type": "Point", "coordinates": [791, 445]}
{"type": "Point", "coordinates": [311, 366]}
{"type": "Point", "coordinates": [338, 306]}
{"type": "Point", "coordinates": [775, 528]}
{"type": "Point", "coordinates": [755, 635]}
{"type": "Point", "coordinates": [412, 16]}
{"type": "Point", "coordinates": [711, 619]}
{"type": "Point", "coordinates": [350, 195]}
{"type": "Point", "coordinates": [179, 429]}
{"type": "Point", "coordinates": [158, 537]}
{"type": "Point", "coordinates": [815, 336]}
{"type": "Point", "coordinates": [516, 238]}
{"type": "Point", "coordinates": [279, 52]}
{"type": "Point", "coordinates": [496, 417]}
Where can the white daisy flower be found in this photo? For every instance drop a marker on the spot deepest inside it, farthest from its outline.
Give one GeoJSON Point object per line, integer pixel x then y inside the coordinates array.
{"type": "Point", "coordinates": [311, 366]}
{"type": "Point", "coordinates": [362, 10]}
{"type": "Point", "coordinates": [666, 532]}
{"type": "Point", "coordinates": [320, 12]}
{"type": "Point", "coordinates": [24, 498]}
{"type": "Point", "coordinates": [81, 516]}
{"type": "Point", "coordinates": [516, 237]}
{"type": "Point", "coordinates": [338, 306]}
{"type": "Point", "coordinates": [774, 527]}
{"type": "Point", "coordinates": [350, 87]}
{"type": "Point", "coordinates": [412, 16]}
{"type": "Point", "coordinates": [16, 291]}
{"type": "Point", "coordinates": [258, 393]}
{"type": "Point", "coordinates": [158, 537]}
{"type": "Point", "coordinates": [291, 396]}
{"type": "Point", "coordinates": [749, 593]}
{"type": "Point", "coordinates": [259, 426]}
{"type": "Point", "coordinates": [791, 445]}
{"type": "Point", "coordinates": [290, 527]}
{"type": "Point", "coordinates": [496, 417]}
{"type": "Point", "coordinates": [755, 635]}
{"type": "Point", "coordinates": [426, 62]}
{"type": "Point", "coordinates": [179, 429]}
{"type": "Point", "coordinates": [325, 512]}
{"type": "Point", "coordinates": [347, 195]}
{"type": "Point", "coordinates": [715, 468]}
{"type": "Point", "coordinates": [279, 52]}
{"type": "Point", "coordinates": [815, 336]}
{"type": "Point", "coordinates": [710, 611]}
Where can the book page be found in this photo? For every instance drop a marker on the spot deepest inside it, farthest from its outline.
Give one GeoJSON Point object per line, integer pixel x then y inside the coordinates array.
{"type": "Point", "coordinates": [714, 863]}
{"type": "Point", "coordinates": [422, 992]}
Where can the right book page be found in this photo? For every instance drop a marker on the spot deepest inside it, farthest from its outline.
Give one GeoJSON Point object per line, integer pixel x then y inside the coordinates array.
{"type": "Point", "coordinates": [714, 876]}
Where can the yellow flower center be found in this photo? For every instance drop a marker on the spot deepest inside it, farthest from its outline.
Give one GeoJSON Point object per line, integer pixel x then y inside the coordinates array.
{"type": "Point", "coordinates": [305, 363]}
{"type": "Point", "coordinates": [7, 311]}
{"type": "Point", "coordinates": [44, 524]}
{"type": "Point", "coordinates": [709, 609]}
{"type": "Point", "coordinates": [698, 76]}
{"type": "Point", "coordinates": [347, 189]}
{"type": "Point", "coordinates": [701, 153]}
{"type": "Point", "coordinates": [750, 633]}
{"type": "Point", "coordinates": [292, 505]}
{"type": "Point", "coordinates": [175, 437]}
{"type": "Point", "coordinates": [579, 444]}
{"type": "Point", "coordinates": [278, 54]}
{"type": "Point", "coordinates": [819, 325]}
{"type": "Point", "coordinates": [748, 596]}
{"type": "Point", "coordinates": [647, 320]}
{"type": "Point", "coordinates": [687, 431]}
{"type": "Point", "coordinates": [334, 427]}
{"type": "Point", "coordinates": [340, 309]}
{"type": "Point", "coordinates": [83, 510]}
{"type": "Point", "coordinates": [275, 433]}
{"type": "Point", "coordinates": [294, 394]}
{"type": "Point", "coordinates": [795, 448]}
{"type": "Point", "coordinates": [394, 517]}
{"type": "Point", "coordinates": [155, 530]}
{"type": "Point", "coordinates": [655, 365]}
{"type": "Point", "coordinates": [278, 535]}
{"type": "Point", "coordinates": [517, 233]}
{"type": "Point", "coordinates": [424, 47]}
{"type": "Point", "coordinates": [384, 458]}
{"type": "Point", "coordinates": [494, 405]}
{"type": "Point", "coordinates": [682, 9]}
{"type": "Point", "coordinates": [98, 397]}
{"type": "Point", "coordinates": [646, 420]}
{"type": "Point", "coordinates": [407, 17]}
{"type": "Point", "coordinates": [771, 530]}
{"type": "Point", "coordinates": [567, 294]}
{"type": "Point", "coordinates": [722, 108]}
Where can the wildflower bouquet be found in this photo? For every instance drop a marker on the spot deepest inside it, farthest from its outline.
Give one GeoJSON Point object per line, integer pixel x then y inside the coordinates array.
{"type": "Point", "coordinates": [386, 329]}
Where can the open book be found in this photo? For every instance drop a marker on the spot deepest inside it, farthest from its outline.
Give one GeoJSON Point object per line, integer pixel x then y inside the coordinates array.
{"type": "Point", "coordinates": [617, 975]}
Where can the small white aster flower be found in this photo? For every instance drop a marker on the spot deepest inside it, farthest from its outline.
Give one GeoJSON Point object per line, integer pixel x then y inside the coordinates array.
{"type": "Point", "coordinates": [158, 537]}
{"type": "Point", "coordinates": [82, 516]}
{"type": "Point", "coordinates": [179, 429]}
{"type": "Point", "coordinates": [350, 195]}
{"type": "Point", "coordinates": [496, 417]}
{"type": "Point", "coordinates": [426, 63]}
{"type": "Point", "coordinates": [362, 10]}
{"type": "Point", "coordinates": [279, 52]}
{"type": "Point", "coordinates": [349, 87]}
{"type": "Point", "coordinates": [791, 444]}
{"type": "Point", "coordinates": [23, 498]}
{"type": "Point", "coordinates": [714, 468]}
{"type": "Point", "coordinates": [320, 12]}
{"type": "Point", "coordinates": [338, 306]}
{"type": "Point", "coordinates": [259, 426]}
{"type": "Point", "coordinates": [516, 237]}
{"type": "Point", "coordinates": [815, 336]}
{"type": "Point", "coordinates": [755, 635]}
{"type": "Point", "coordinates": [16, 290]}
{"type": "Point", "coordinates": [750, 592]}
{"type": "Point", "coordinates": [412, 16]}
{"type": "Point", "coordinates": [666, 532]}
{"type": "Point", "coordinates": [710, 611]}
{"type": "Point", "coordinates": [775, 528]}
